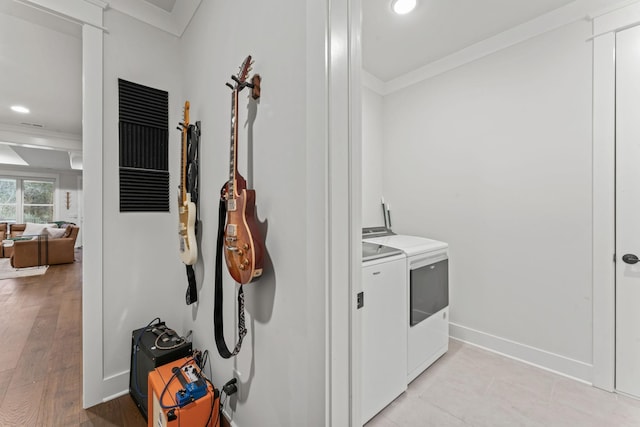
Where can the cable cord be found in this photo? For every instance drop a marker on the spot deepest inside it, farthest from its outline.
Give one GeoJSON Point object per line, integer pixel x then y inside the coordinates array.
{"type": "Point", "coordinates": [202, 361]}
{"type": "Point", "coordinates": [213, 390]}
{"type": "Point", "coordinates": [136, 349]}
{"type": "Point", "coordinates": [174, 375]}
{"type": "Point", "coordinates": [180, 341]}
{"type": "Point", "coordinates": [213, 403]}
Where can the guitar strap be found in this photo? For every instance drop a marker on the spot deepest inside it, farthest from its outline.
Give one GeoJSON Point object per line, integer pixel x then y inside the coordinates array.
{"type": "Point", "coordinates": [217, 310]}
{"type": "Point", "coordinates": [193, 142]}
{"type": "Point", "coordinates": [192, 291]}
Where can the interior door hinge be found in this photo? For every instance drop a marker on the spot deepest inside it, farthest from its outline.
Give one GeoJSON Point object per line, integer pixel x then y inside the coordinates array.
{"type": "Point", "coordinates": [614, 257]}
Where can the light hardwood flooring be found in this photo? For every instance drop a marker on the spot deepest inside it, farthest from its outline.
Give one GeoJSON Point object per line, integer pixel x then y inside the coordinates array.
{"type": "Point", "coordinates": [469, 386]}
{"type": "Point", "coordinates": [41, 354]}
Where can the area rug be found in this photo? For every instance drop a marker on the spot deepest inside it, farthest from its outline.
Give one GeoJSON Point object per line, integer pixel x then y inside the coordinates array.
{"type": "Point", "coordinates": [8, 272]}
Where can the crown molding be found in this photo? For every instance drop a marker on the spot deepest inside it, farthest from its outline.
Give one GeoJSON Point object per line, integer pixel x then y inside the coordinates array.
{"type": "Point", "coordinates": [572, 12]}
{"type": "Point", "coordinates": [82, 11]}
{"type": "Point", "coordinates": [548, 22]}
{"type": "Point", "coordinates": [614, 19]}
{"type": "Point", "coordinates": [372, 82]}
{"type": "Point", "coordinates": [174, 22]}
{"type": "Point", "coordinates": [101, 4]}
{"type": "Point", "coordinates": [40, 137]}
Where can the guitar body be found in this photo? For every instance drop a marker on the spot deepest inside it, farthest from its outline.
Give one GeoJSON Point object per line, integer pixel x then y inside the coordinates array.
{"type": "Point", "coordinates": [243, 244]}
{"type": "Point", "coordinates": [187, 233]}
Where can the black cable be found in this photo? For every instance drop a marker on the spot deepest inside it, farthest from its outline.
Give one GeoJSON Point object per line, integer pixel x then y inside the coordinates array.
{"type": "Point", "coordinates": [135, 357]}
{"type": "Point", "coordinates": [203, 360]}
{"type": "Point", "coordinates": [166, 386]}
{"type": "Point", "coordinates": [213, 402]}
{"type": "Point", "coordinates": [204, 356]}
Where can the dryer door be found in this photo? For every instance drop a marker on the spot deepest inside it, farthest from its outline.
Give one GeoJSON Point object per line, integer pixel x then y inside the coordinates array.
{"type": "Point", "coordinates": [428, 289]}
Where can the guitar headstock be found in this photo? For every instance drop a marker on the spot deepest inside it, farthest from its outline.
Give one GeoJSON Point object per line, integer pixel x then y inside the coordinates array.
{"type": "Point", "coordinates": [243, 74]}
{"type": "Point", "coordinates": [183, 126]}
{"type": "Point", "coordinates": [186, 114]}
{"type": "Point", "coordinates": [245, 68]}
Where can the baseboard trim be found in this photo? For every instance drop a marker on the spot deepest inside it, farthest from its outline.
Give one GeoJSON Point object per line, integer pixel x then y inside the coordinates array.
{"type": "Point", "coordinates": [548, 361]}
{"type": "Point", "coordinates": [115, 386]}
{"type": "Point", "coordinates": [226, 420]}
{"type": "Point", "coordinates": [115, 396]}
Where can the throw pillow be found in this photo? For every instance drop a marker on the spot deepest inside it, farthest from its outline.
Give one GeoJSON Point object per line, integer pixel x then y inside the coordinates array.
{"type": "Point", "coordinates": [55, 233]}
{"type": "Point", "coordinates": [33, 229]}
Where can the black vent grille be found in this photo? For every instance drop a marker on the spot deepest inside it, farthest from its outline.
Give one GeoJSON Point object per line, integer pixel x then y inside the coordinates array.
{"type": "Point", "coordinates": [143, 190]}
{"type": "Point", "coordinates": [144, 148]}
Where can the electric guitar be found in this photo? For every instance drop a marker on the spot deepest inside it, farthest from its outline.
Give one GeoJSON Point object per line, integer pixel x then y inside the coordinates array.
{"type": "Point", "coordinates": [243, 244]}
{"type": "Point", "coordinates": [186, 208]}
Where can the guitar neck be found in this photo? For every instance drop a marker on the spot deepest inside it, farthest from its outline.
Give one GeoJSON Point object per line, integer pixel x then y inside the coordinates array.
{"type": "Point", "coordinates": [183, 159]}
{"type": "Point", "coordinates": [233, 160]}
{"type": "Point", "coordinates": [183, 168]}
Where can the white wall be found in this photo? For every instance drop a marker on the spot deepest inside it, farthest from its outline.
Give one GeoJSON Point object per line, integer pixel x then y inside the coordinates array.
{"type": "Point", "coordinates": [494, 157]}
{"type": "Point", "coordinates": [281, 363]}
{"type": "Point", "coordinates": [69, 183]}
{"type": "Point", "coordinates": [143, 275]}
{"type": "Point", "coordinates": [372, 161]}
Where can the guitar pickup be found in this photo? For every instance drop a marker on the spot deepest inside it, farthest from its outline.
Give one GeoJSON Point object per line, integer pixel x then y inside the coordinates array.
{"type": "Point", "coordinates": [232, 231]}
{"type": "Point", "coordinates": [231, 205]}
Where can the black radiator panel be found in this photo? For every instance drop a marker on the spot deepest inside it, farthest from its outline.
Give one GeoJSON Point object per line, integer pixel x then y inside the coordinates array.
{"type": "Point", "coordinates": [144, 148]}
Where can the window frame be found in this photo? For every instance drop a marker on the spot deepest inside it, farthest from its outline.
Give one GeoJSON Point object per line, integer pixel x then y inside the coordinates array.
{"type": "Point", "coordinates": [20, 177]}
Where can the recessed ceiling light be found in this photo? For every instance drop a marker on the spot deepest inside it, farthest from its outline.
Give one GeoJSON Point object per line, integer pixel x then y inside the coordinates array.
{"type": "Point", "coordinates": [402, 7]}
{"type": "Point", "coordinates": [20, 109]}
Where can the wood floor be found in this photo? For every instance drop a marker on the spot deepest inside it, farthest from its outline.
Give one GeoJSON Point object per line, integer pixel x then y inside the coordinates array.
{"type": "Point", "coordinates": [41, 354]}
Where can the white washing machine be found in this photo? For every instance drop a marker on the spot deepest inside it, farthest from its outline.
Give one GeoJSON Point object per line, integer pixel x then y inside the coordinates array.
{"type": "Point", "coordinates": [384, 333]}
{"type": "Point", "coordinates": [427, 297]}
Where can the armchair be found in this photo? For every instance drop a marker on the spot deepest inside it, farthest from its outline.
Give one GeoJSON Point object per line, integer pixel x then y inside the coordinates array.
{"type": "Point", "coordinates": [43, 251]}
{"type": "Point", "coordinates": [3, 234]}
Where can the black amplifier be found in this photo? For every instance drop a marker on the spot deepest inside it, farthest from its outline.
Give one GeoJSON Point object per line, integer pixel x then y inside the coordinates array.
{"type": "Point", "coordinates": [152, 346]}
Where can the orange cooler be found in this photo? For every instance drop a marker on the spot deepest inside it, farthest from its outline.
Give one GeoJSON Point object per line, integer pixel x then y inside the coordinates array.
{"type": "Point", "coordinates": [194, 414]}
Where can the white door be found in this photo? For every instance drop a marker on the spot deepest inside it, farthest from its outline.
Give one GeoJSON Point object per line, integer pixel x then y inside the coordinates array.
{"type": "Point", "coordinates": [628, 211]}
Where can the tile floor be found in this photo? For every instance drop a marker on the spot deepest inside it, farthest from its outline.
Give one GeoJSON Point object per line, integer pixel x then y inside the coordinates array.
{"type": "Point", "coordinates": [469, 386]}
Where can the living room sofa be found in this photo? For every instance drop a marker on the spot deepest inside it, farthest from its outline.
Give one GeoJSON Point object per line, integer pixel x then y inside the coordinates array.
{"type": "Point", "coordinates": [44, 250]}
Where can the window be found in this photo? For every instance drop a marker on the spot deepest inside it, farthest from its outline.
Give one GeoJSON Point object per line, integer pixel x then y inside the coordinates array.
{"type": "Point", "coordinates": [37, 202]}
{"type": "Point", "coordinates": [27, 200]}
{"type": "Point", "coordinates": [8, 200]}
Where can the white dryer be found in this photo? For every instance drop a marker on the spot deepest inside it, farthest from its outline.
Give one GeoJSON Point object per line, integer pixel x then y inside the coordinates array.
{"type": "Point", "coordinates": [428, 297]}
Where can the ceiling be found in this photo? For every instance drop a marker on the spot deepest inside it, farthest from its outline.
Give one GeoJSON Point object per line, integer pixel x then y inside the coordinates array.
{"type": "Point", "coordinates": [394, 44]}
{"type": "Point", "coordinates": [41, 68]}
{"type": "Point", "coordinates": [40, 56]}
